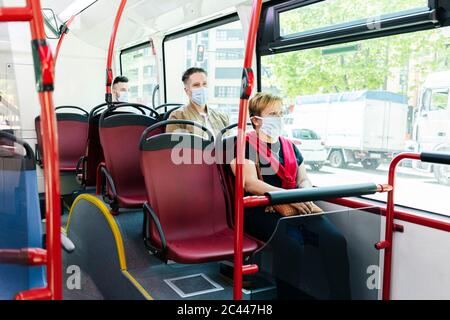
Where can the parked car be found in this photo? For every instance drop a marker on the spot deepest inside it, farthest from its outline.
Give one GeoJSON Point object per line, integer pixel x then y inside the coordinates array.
{"type": "Point", "coordinates": [310, 145]}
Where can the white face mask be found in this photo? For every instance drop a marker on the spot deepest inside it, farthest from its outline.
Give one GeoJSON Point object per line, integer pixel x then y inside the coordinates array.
{"type": "Point", "coordinates": [123, 96]}
{"type": "Point", "coordinates": [200, 96]}
{"type": "Point", "coordinates": [272, 126]}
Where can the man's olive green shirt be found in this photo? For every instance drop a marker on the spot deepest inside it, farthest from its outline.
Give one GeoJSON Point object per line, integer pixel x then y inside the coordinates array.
{"type": "Point", "coordinates": [217, 119]}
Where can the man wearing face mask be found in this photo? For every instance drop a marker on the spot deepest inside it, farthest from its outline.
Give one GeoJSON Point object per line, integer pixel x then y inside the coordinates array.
{"type": "Point", "coordinates": [196, 87]}
{"type": "Point", "coordinates": [120, 89]}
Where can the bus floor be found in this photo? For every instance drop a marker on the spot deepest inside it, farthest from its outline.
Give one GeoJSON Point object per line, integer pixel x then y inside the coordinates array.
{"type": "Point", "coordinates": [159, 280]}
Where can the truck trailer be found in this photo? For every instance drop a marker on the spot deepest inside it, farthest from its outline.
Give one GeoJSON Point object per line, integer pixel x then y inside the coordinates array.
{"type": "Point", "coordinates": [374, 130]}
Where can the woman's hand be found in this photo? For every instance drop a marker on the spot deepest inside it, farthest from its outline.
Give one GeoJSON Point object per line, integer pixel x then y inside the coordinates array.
{"type": "Point", "coordinates": [304, 207]}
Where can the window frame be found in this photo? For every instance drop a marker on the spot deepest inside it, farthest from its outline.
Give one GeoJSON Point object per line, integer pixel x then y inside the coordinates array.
{"type": "Point", "coordinates": [188, 31]}
{"type": "Point", "coordinates": [270, 41]}
{"type": "Point", "coordinates": [269, 37]}
{"type": "Point", "coordinates": [143, 45]}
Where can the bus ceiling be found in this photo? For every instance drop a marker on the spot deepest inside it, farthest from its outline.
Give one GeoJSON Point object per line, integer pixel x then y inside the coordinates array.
{"type": "Point", "coordinates": [146, 17]}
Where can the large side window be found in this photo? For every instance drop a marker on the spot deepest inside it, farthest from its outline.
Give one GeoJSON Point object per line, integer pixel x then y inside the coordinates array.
{"type": "Point", "coordinates": [355, 98]}
{"type": "Point", "coordinates": [334, 12]}
{"type": "Point", "coordinates": [220, 51]}
{"type": "Point", "coordinates": [140, 66]}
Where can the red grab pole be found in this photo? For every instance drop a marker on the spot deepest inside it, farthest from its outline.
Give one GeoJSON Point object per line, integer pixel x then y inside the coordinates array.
{"type": "Point", "coordinates": [65, 29]}
{"type": "Point", "coordinates": [248, 80]}
{"type": "Point", "coordinates": [386, 244]}
{"type": "Point", "coordinates": [109, 72]}
{"type": "Point", "coordinates": [43, 58]}
{"type": "Point", "coordinates": [44, 72]}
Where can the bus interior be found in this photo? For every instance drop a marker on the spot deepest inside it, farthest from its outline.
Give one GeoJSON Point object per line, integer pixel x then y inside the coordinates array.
{"type": "Point", "coordinates": [98, 201]}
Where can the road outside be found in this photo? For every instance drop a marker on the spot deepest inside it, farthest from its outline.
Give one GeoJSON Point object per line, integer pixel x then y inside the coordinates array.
{"type": "Point", "coordinates": [413, 189]}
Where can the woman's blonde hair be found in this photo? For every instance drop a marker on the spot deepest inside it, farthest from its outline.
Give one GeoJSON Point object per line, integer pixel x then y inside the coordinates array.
{"type": "Point", "coordinates": [261, 101]}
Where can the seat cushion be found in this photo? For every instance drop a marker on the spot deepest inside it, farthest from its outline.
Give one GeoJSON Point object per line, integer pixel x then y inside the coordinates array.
{"type": "Point", "coordinates": [132, 201]}
{"type": "Point", "coordinates": [219, 246]}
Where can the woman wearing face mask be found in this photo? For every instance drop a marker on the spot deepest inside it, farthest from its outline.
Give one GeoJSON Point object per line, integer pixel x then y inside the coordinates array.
{"type": "Point", "coordinates": [273, 163]}
{"type": "Point", "coordinates": [196, 88]}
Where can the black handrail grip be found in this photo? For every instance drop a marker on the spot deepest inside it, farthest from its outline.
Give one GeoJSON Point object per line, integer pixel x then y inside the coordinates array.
{"type": "Point", "coordinates": [435, 157]}
{"type": "Point", "coordinates": [138, 106]}
{"type": "Point", "coordinates": [155, 89]}
{"type": "Point", "coordinates": [108, 180]}
{"type": "Point", "coordinates": [321, 193]}
{"type": "Point", "coordinates": [169, 105]}
{"type": "Point", "coordinates": [73, 107]}
{"type": "Point", "coordinates": [231, 126]}
{"type": "Point", "coordinates": [97, 109]}
{"type": "Point", "coordinates": [29, 154]}
{"type": "Point", "coordinates": [148, 211]}
{"type": "Point", "coordinates": [169, 122]}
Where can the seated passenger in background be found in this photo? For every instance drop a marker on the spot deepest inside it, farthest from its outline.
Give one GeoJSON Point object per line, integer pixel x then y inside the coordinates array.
{"type": "Point", "coordinates": [196, 87]}
{"type": "Point", "coordinates": [120, 89]}
{"type": "Point", "coordinates": [273, 163]}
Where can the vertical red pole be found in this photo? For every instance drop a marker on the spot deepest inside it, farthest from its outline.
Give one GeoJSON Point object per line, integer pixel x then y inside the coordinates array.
{"type": "Point", "coordinates": [44, 77]}
{"type": "Point", "coordinates": [62, 37]}
{"type": "Point", "coordinates": [389, 234]}
{"type": "Point", "coordinates": [109, 72]}
{"type": "Point", "coordinates": [247, 87]}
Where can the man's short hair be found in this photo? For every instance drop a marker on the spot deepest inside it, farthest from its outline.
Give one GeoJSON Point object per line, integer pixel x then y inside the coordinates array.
{"type": "Point", "coordinates": [189, 72]}
{"type": "Point", "coordinates": [120, 79]}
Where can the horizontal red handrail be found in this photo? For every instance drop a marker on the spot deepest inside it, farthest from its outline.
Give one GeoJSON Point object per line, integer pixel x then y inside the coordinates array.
{"type": "Point", "coordinates": [27, 257]}
{"type": "Point", "coordinates": [13, 14]}
{"type": "Point", "coordinates": [261, 201]}
{"type": "Point", "coordinates": [35, 294]}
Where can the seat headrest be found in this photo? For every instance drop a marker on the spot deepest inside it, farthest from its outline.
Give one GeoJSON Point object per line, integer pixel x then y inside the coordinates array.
{"type": "Point", "coordinates": [175, 140]}
{"type": "Point", "coordinates": [68, 117]}
{"type": "Point", "coordinates": [127, 119]}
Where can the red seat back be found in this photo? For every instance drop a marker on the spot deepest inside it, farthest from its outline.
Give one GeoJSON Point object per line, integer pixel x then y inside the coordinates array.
{"type": "Point", "coordinates": [94, 151]}
{"type": "Point", "coordinates": [72, 138]}
{"type": "Point", "coordinates": [187, 197]}
{"type": "Point", "coordinates": [120, 135]}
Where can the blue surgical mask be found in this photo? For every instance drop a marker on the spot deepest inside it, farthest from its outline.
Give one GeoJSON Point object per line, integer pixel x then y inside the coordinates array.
{"type": "Point", "coordinates": [200, 96]}
{"type": "Point", "coordinates": [123, 96]}
{"type": "Point", "coordinates": [272, 126]}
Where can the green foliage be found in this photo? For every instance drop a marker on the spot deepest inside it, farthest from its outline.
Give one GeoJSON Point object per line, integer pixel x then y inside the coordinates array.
{"type": "Point", "coordinates": [369, 67]}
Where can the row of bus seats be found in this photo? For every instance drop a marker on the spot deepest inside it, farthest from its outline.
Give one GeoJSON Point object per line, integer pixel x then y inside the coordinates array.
{"type": "Point", "coordinates": [80, 149]}
{"type": "Point", "coordinates": [133, 155]}
{"type": "Point", "coordinates": [194, 226]}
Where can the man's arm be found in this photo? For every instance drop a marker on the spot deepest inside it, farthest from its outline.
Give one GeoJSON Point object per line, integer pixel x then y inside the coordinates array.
{"type": "Point", "coordinates": [174, 127]}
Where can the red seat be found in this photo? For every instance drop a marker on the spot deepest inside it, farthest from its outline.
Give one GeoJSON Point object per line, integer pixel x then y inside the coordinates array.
{"type": "Point", "coordinates": [187, 201]}
{"type": "Point", "coordinates": [120, 135]}
{"type": "Point", "coordinates": [72, 137]}
{"type": "Point", "coordinates": [94, 151]}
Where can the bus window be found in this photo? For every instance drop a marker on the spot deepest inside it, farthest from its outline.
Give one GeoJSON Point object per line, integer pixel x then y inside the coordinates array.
{"type": "Point", "coordinates": [312, 17]}
{"type": "Point", "coordinates": [139, 65]}
{"type": "Point", "coordinates": [357, 96]}
{"type": "Point", "coordinates": [221, 54]}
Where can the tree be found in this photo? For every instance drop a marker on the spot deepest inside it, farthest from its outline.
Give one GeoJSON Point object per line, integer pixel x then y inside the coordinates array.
{"type": "Point", "coordinates": [371, 65]}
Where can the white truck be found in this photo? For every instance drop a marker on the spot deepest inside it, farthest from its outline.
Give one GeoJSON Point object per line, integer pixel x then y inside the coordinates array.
{"type": "Point", "coordinates": [366, 127]}
{"type": "Point", "coordinates": [432, 123]}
